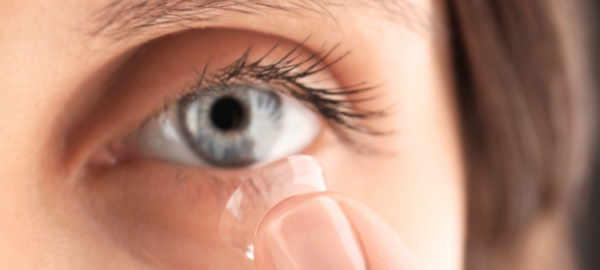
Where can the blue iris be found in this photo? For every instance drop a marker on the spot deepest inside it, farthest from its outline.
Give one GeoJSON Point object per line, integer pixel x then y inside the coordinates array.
{"type": "Point", "coordinates": [233, 127]}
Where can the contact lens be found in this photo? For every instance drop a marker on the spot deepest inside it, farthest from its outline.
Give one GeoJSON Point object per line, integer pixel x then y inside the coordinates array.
{"type": "Point", "coordinates": [262, 190]}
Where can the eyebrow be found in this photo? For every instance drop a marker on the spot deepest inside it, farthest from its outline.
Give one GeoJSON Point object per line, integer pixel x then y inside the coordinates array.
{"type": "Point", "coordinates": [126, 18]}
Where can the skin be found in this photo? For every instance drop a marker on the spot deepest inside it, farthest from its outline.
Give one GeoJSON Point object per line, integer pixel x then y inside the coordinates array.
{"type": "Point", "coordinates": [69, 91]}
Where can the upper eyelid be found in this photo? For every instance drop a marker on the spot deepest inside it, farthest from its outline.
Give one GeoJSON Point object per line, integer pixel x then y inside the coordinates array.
{"type": "Point", "coordinates": [325, 101]}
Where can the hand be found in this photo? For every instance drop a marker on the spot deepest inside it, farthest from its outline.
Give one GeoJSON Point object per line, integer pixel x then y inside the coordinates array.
{"type": "Point", "coordinates": [325, 231]}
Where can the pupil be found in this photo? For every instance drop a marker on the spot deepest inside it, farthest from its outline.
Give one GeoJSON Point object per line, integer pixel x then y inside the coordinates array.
{"type": "Point", "coordinates": [227, 113]}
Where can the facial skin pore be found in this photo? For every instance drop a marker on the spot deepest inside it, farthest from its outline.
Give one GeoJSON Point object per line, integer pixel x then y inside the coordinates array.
{"type": "Point", "coordinates": [71, 82]}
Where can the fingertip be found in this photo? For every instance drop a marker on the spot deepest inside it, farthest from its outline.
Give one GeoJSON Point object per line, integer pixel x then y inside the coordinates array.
{"type": "Point", "coordinates": [382, 246]}
{"type": "Point", "coordinates": [328, 231]}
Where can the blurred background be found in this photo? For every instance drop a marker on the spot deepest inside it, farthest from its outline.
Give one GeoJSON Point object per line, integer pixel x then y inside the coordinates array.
{"type": "Point", "coordinates": [587, 226]}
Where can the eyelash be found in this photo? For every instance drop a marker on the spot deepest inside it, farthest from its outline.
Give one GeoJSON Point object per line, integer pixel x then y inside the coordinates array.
{"type": "Point", "coordinates": [285, 77]}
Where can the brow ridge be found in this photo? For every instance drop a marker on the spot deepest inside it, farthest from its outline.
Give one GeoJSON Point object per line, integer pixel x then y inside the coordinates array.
{"type": "Point", "coordinates": [122, 19]}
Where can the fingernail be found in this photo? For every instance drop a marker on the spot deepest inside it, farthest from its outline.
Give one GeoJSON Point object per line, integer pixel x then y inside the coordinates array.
{"type": "Point", "coordinates": [314, 235]}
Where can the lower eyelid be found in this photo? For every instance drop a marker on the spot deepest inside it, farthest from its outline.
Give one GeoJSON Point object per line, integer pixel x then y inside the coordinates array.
{"type": "Point", "coordinates": [139, 183]}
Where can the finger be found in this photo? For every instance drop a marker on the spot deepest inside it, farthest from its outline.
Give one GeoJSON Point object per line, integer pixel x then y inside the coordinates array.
{"type": "Point", "coordinates": [328, 231]}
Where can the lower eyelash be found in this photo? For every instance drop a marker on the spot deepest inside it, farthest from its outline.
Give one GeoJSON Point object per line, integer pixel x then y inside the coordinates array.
{"type": "Point", "coordinates": [285, 76]}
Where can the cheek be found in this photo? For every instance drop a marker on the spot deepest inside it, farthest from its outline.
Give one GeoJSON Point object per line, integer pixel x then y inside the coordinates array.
{"type": "Point", "coordinates": [164, 215]}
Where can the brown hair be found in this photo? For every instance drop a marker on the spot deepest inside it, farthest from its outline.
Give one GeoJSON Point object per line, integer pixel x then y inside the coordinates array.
{"type": "Point", "coordinates": [523, 125]}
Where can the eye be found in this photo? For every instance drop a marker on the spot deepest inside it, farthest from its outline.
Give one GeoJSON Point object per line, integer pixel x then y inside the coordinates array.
{"type": "Point", "coordinates": [232, 126]}
{"type": "Point", "coordinates": [255, 101]}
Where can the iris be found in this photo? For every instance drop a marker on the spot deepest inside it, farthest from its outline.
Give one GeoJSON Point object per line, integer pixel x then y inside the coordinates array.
{"type": "Point", "coordinates": [232, 127]}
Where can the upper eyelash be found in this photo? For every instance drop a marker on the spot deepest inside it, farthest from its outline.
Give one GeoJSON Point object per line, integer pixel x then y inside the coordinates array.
{"type": "Point", "coordinates": [285, 73]}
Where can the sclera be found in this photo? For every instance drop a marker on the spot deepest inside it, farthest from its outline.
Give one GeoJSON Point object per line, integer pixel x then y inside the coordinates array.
{"type": "Point", "coordinates": [260, 192]}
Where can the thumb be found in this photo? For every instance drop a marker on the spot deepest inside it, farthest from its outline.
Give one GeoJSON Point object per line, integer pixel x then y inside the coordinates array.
{"type": "Point", "coordinates": [324, 231]}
